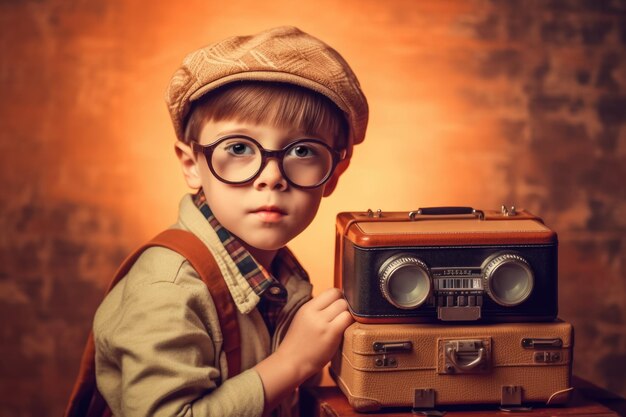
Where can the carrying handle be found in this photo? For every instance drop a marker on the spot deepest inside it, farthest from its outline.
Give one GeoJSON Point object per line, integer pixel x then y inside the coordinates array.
{"type": "Point", "coordinates": [446, 211]}
{"type": "Point", "coordinates": [452, 356]}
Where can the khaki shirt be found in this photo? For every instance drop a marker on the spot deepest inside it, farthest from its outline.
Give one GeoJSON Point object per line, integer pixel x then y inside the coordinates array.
{"type": "Point", "coordinates": [159, 343]}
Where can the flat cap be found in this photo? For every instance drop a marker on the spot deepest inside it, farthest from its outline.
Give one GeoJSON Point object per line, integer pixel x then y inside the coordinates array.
{"type": "Point", "coordinates": [284, 54]}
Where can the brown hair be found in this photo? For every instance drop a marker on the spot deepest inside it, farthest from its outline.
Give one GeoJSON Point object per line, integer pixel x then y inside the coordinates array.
{"type": "Point", "coordinates": [278, 104]}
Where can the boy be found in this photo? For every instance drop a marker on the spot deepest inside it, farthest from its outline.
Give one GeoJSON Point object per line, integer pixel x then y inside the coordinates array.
{"type": "Point", "coordinates": [265, 126]}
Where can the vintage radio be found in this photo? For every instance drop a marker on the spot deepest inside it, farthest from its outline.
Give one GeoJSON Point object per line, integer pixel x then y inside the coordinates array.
{"type": "Point", "coordinates": [447, 264]}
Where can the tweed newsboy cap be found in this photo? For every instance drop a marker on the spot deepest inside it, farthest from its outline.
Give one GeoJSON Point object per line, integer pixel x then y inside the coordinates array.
{"type": "Point", "coordinates": [284, 54]}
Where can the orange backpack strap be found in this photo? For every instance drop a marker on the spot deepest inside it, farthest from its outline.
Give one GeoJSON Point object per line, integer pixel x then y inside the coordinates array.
{"type": "Point", "coordinates": [86, 400]}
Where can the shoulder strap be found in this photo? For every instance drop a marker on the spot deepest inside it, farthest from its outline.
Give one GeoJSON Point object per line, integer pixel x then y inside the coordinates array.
{"type": "Point", "coordinates": [85, 399]}
{"type": "Point", "coordinates": [196, 252]}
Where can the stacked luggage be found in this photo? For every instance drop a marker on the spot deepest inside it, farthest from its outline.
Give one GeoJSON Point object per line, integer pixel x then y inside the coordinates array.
{"type": "Point", "coordinates": [453, 306]}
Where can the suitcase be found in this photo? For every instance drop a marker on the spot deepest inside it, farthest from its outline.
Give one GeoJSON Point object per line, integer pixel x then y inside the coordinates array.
{"type": "Point", "coordinates": [329, 401]}
{"type": "Point", "coordinates": [447, 264]}
{"type": "Point", "coordinates": [425, 365]}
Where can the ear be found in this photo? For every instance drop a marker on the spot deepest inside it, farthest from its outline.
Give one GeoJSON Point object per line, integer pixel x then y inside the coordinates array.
{"type": "Point", "coordinates": [329, 187]}
{"type": "Point", "coordinates": [189, 164]}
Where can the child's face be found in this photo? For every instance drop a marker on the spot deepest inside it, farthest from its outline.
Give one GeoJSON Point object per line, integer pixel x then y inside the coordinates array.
{"type": "Point", "coordinates": [267, 212]}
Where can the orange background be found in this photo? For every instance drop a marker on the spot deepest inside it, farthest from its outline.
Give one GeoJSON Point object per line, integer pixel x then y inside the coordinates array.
{"type": "Point", "coordinates": [115, 140]}
{"type": "Point", "coordinates": [475, 103]}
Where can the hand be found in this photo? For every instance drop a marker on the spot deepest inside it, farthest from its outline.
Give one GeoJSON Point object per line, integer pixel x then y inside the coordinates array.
{"type": "Point", "coordinates": [313, 337]}
{"type": "Point", "coordinates": [315, 332]}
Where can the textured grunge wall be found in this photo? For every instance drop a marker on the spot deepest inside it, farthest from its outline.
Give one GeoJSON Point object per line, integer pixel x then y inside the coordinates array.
{"type": "Point", "coordinates": [472, 103]}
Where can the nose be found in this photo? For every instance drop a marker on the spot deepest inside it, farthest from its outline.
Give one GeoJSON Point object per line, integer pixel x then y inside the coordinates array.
{"type": "Point", "coordinates": [270, 177]}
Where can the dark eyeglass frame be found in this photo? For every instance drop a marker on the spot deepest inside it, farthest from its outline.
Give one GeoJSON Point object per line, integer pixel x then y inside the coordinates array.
{"type": "Point", "coordinates": [279, 154]}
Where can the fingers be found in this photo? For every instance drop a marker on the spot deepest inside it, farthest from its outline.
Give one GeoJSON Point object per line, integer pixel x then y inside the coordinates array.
{"type": "Point", "coordinates": [337, 307]}
{"type": "Point", "coordinates": [330, 307]}
{"type": "Point", "coordinates": [342, 320]}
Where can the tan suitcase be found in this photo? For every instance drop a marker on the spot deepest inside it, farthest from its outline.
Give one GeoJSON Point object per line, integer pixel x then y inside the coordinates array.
{"type": "Point", "coordinates": [329, 401]}
{"type": "Point", "coordinates": [426, 365]}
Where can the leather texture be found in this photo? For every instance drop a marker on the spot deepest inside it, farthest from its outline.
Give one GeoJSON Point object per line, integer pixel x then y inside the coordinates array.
{"type": "Point", "coordinates": [397, 229]}
{"type": "Point", "coordinates": [369, 386]}
{"type": "Point", "coordinates": [329, 401]}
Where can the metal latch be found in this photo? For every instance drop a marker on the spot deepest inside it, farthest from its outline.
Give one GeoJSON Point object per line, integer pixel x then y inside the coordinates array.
{"type": "Point", "coordinates": [532, 343]}
{"type": "Point", "coordinates": [466, 356]}
{"type": "Point", "coordinates": [547, 357]}
{"type": "Point", "coordinates": [370, 213]}
{"type": "Point", "coordinates": [386, 347]}
{"type": "Point", "coordinates": [386, 361]}
{"type": "Point", "coordinates": [506, 211]}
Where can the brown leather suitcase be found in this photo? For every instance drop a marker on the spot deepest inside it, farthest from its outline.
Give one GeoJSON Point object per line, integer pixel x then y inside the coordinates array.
{"type": "Point", "coordinates": [329, 401]}
{"type": "Point", "coordinates": [425, 365]}
{"type": "Point", "coordinates": [447, 264]}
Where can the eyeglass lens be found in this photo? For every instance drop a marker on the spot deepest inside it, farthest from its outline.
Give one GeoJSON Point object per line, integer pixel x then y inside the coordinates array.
{"type": "Point", "coordinates": [305, 163]}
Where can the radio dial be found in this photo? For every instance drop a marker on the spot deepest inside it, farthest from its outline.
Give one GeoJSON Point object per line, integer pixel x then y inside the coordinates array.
{"type": "Point", "coordinates": [405, 281]}
{"type": "Point", "coordinates": [509, 279]}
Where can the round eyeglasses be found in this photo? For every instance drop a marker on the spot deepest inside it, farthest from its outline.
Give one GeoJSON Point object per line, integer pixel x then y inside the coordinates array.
{"type": "Point", "coordinates": [237, 159]}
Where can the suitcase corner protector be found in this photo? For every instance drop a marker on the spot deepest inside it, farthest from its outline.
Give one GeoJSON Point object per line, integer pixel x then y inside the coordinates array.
{"type": "Point", "coordinates": [364, 405]}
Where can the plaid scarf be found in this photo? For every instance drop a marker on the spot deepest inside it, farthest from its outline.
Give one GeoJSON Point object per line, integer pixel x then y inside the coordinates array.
{"type": "Point", "coordinates": [272, 292]}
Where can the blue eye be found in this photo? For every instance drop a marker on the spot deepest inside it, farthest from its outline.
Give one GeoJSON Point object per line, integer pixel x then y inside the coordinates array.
{"type": "Point", "coordinates": [239, 148]}
{"type": "Point", "coordinates": [302, 151]}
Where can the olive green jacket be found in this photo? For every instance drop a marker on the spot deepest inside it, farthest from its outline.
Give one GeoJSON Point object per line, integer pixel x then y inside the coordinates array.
{"type": "Point", "coordinates": [159, 343]}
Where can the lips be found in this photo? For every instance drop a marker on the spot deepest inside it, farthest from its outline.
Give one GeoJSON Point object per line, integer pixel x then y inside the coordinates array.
{"type": "Point", "coordinates": [270, 214]}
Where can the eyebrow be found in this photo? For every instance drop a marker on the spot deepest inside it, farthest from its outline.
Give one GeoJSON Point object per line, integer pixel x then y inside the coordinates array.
{"type": "Point", "coordinates": [288, 139]}
{"type": "Point", "coordinates": [234, 132]}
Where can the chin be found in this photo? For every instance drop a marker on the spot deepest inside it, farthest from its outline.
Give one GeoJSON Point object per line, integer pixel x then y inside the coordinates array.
{"type": "Point", "coordinates": [267, 245]}
{"type": "Point", "coordinates": [268, 242]}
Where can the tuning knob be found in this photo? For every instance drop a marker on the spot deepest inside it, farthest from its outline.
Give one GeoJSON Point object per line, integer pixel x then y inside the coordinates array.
{"type": "Point", "coordinates": [405, 281]}
{"type": "Point", "coordinates": [509, 279]}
